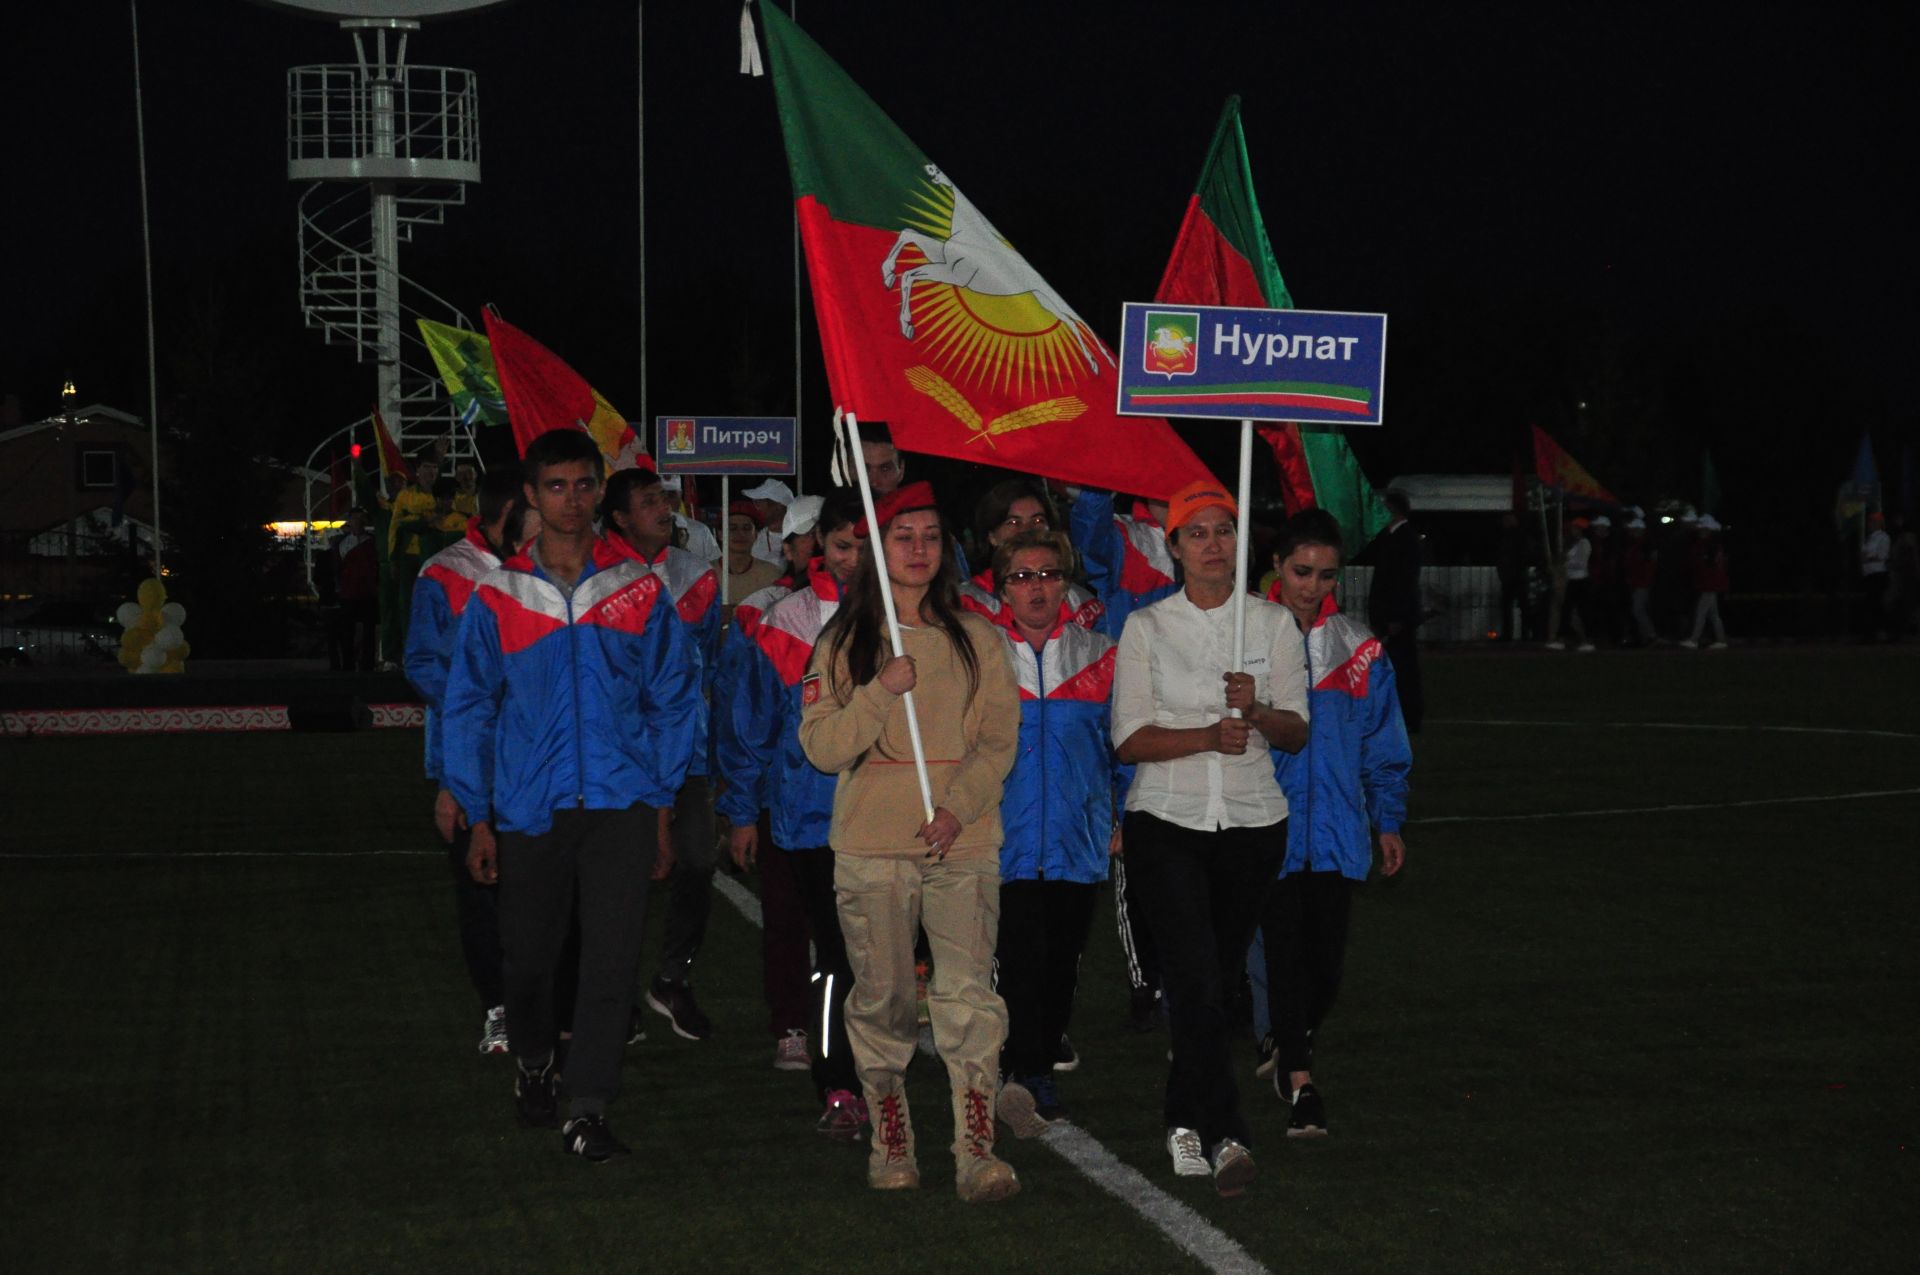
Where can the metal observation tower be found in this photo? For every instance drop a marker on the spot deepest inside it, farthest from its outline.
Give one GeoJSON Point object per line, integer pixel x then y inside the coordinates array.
{"type": "Point", "coordinates": [384, 147]}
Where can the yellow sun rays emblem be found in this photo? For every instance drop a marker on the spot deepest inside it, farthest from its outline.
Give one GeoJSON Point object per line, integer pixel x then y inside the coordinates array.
{"type": "Point", "coordinates": [1006, 344]}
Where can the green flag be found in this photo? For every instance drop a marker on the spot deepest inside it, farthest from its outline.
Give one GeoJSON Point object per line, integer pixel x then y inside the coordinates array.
{"type": "Point", "coordinates": [465, 360]}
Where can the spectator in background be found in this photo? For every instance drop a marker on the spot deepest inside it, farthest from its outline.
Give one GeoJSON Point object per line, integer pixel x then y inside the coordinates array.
{"type": "Point", "coordinates": [349, 581]}
{"type": "Point", "coordinates": [1639, 567]}
{"type": "Point", "coordinates": [771, 498]}
{"type": "Point", "coordinates": [466, 498]}
{"type": "Point", "coordinates": [1511, 567]}
{"type": "Point", "coordinates": [747, 572]}
{"type": "Point", "coordinates": [1707, 564]}
{"type": "Point", "coordinates": [1875, 551]}
{"type": "Point", "coordinates": [1606, 602]}
{"type": "Point", "coordinates": [1903, 579]}
{"type": "Point", "coordinates": [1393, 604]}
{"type": "Point", "coordinates": [693, 534]}
{"type": "Point", "coordinates": [412, 509]}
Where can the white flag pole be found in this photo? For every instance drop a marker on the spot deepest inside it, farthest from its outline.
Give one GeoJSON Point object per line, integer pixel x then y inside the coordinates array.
{"type": "Point", "coordinates": [726, 531]}
{"type": "Point", "coordinates": [855, 461]}
{"type": "Point", "coordinates": [1245, 499]}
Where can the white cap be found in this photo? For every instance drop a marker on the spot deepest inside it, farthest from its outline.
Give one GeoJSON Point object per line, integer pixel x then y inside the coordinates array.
{"type": "Point", "coordinates": [1602, 521]}
{"type": "Point", "coordinates": [772, 489]}
{"type": "Point", "coordinates": [670, 482]}
{"type": "Point", "coordinates": [1708, 523]}
{"type": "Point", "coordinates": [1637, 524]}
{"type": "Point", "coordinates": [803, 515]}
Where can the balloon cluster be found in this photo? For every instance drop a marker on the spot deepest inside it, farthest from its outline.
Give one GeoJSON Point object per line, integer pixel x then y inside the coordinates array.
{"type": "Point", "coordinates": [152, 642]}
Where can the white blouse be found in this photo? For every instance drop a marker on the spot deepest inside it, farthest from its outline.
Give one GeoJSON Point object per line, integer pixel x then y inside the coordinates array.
{"type": "Point", "coordinates": [1168, 672]}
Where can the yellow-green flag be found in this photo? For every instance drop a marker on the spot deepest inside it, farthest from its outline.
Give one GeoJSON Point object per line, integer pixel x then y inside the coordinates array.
{"type": "Point", "coordinates": [465, 360]}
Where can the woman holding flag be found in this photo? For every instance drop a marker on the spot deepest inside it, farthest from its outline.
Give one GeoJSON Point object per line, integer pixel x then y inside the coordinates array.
{"type": "Point", "coordinates": [895, 868]}
{"type": "Point", "coordinates": [1205, 829]}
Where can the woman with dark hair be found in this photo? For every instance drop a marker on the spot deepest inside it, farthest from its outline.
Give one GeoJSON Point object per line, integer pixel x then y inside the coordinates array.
{"type": "Point", "coordinates": [1206, 822]}
{"type": "Point", "coordinates": [894, 868]}
{"type": "Point", "coordinates": [1349, 787]}
{"type": "Point", "coordinates": [1009, 508]}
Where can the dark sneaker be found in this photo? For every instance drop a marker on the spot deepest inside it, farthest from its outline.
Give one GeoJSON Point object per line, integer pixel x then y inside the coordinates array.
{"type": "Point", "coordinates": [1064, 1058]}
{"type": "Point", "coordinates": [674, 1001]}
{"type": "Point", "coordinates": [1046, 1099]}
{"type": "Point", "coordinates": [590, 1138]}
{"type": "Point", "coordinates": [1269, 1059]}
{"type": "Point", "coordinates": [1018, 1109]}
{"type": "Point", "coordinates": [1309, 1114]}
{"type": "Point", "coordinates": [1232, 1167]}
{"type": "Point", "coordinates": [536, 1096]}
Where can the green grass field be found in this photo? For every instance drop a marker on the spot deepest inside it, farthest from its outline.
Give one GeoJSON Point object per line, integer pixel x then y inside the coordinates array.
{"type": "Point", "coordinates": [1676, 1041]}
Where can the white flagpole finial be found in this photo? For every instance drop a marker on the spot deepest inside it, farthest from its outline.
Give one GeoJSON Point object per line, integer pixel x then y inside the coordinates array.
{"type": "Point", "coordinates": [749, 44]}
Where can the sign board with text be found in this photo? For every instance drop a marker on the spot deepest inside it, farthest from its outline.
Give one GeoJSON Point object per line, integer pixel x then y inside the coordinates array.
{"type": "Point", "coordinates": [1239, 363]}
{"type": "Point", "coordinates": [725, 444]}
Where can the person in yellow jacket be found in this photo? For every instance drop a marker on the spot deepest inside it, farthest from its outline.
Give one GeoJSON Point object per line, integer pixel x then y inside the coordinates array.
{"type": "Point", "coordinates": [896, 870]}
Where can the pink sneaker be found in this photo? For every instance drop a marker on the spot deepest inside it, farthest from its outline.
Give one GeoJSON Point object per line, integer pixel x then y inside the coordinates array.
{"type": "Point", "coordinates": [845, 1118]}
{"type": "Point", "coordinates": [791, 1053]}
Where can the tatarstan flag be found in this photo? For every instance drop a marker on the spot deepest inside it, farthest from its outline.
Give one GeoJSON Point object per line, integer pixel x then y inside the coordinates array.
{"type": "Point", "coordinates": [465, 360]}
{"type": "Point", "coordinates": [543, 393]}
{"type": "Point", "coordinates": [929, 319]}
{"type": "Point", "coordinates": [1222, 257]}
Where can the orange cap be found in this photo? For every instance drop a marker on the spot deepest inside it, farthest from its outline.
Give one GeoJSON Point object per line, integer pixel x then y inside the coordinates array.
{"type": "Point", "coordinates": [1201, 494]}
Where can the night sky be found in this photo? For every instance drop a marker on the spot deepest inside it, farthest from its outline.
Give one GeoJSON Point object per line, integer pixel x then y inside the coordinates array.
{"type": "Point", "coordinates": [1696, 220]}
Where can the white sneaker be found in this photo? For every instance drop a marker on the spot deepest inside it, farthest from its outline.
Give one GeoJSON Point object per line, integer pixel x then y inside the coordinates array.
{"type": "Point", "coordinates": [1556, 646]}
{"type": "Point", "coordinates": [1688, 644]}
{"type": "Point", "coordinates": [791, 1053]}
{"type": "Point", "coordinates": [1718, 646]}
{"type": "Point", "coordinates": [1189, 1158]}
{"type": "Point", "coordinates": [493, 1039]}
{"type": "Point", "coordinates": [1586, 648]}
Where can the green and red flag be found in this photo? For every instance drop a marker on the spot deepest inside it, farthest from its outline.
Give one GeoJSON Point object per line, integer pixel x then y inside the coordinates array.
{"type": "Point", "coordinates": [929, 319]}
{"type": "Point", "coordinates": [1556, 468]}
{"type": "Point", "coordinates": [543, 393]}
{"type": "Point", "coordinates": [1222, 257]}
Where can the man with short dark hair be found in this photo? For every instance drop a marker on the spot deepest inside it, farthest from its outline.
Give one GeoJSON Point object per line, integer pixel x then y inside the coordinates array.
{"type": "Point", "coordinates": [636, 514]}
{"type": "Point", "coordinates": [570, 715]}
{"type": "Point", "coordinates": [885, 469]}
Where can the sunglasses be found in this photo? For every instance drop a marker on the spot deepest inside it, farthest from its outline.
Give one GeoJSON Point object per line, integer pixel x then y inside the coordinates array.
{"type": "Point", "coordinates": [1027, 577]}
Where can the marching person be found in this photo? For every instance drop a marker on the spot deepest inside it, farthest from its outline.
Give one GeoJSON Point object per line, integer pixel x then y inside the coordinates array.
{"type": "Point", "coordinates": [1394, 606]}
{"type": "Point", "coordinates": [886, 468]}
{"type": "Point", "coordinates": [1641, 568]}
{"type": "Point", "coordinates": [1206, 823]}
{"type": "Point", "coordinates": [762, 767]}
{"type": "Point", "coordinates": [1128, 566]}
{"type": "Point", "coordinates": [1707, 569]}
{"type": "Point", "coordinates": [1060, 816]}
{"type": "Point", "coordinates": [747, 571]}
{"type": "Point", "coordinates": [772, 498]}
{"type": "Point", "coordinates": [571, 709]}
{"type": "Point", "coordinates": [1347, 787]}
{"type": "Point", "coordinates": [1009, 508]}
{"type": "Point", "coordinates": [635, 514]}
{"type": "Point", "coordinates": [440, 596]}
{"type": "Point", "coordinates": [895, 868]}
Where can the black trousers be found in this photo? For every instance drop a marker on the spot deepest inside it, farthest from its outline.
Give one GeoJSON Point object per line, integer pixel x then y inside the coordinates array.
{"type": "Point", "coordinates": [478, 909]}
{"type": "Point", "coordinates": [1143, 962]}
{"type": "Point", "coordinates": [602, 858]}
{"type": "Point", "coordinates": [784, 963]}
{"type": "Point", "coordinates": [1304, 924]}
{"type": "Point", "coordinates": [1043, 932]}
{"type": "Point", "coordinates": [1404, 651]}
{"type": "Point", "coordinates": [812, 873]}
{"type": "Point", "coordinates": [350, 634]}
{"type": "Point", "coordinates": [690, 885]}
{"type": "Point", "coordinates": [1202, 893]}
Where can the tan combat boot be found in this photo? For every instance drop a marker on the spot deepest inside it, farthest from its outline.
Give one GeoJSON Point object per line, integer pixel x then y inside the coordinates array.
{"type": "Point", "coordinates": [979, 1175]}
{"type": "Point", "coordinates": [890, 1163]}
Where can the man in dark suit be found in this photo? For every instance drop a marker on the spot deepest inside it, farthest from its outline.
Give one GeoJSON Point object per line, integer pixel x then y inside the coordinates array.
{"type": "Point", "coordinates": [1393, 605]}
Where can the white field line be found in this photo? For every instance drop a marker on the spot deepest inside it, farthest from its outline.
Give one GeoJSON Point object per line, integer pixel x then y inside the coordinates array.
{"type": "Point", "coordinates": [1780, 730]}
{"type": "Point", "coordinates": [227, 854]}
{"type": "Point", "coordinates": [1184, 1228]}
{"type": "Point", "coordinates": [1660, 810]}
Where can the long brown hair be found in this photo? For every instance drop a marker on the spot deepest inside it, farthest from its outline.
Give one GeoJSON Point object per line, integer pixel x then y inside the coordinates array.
{"type": "Point", "coordinates": [858, 630]}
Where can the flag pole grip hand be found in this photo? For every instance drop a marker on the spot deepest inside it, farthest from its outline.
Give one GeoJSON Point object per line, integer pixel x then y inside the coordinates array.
{"type": "Point", "coordinates": [855, 462]}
